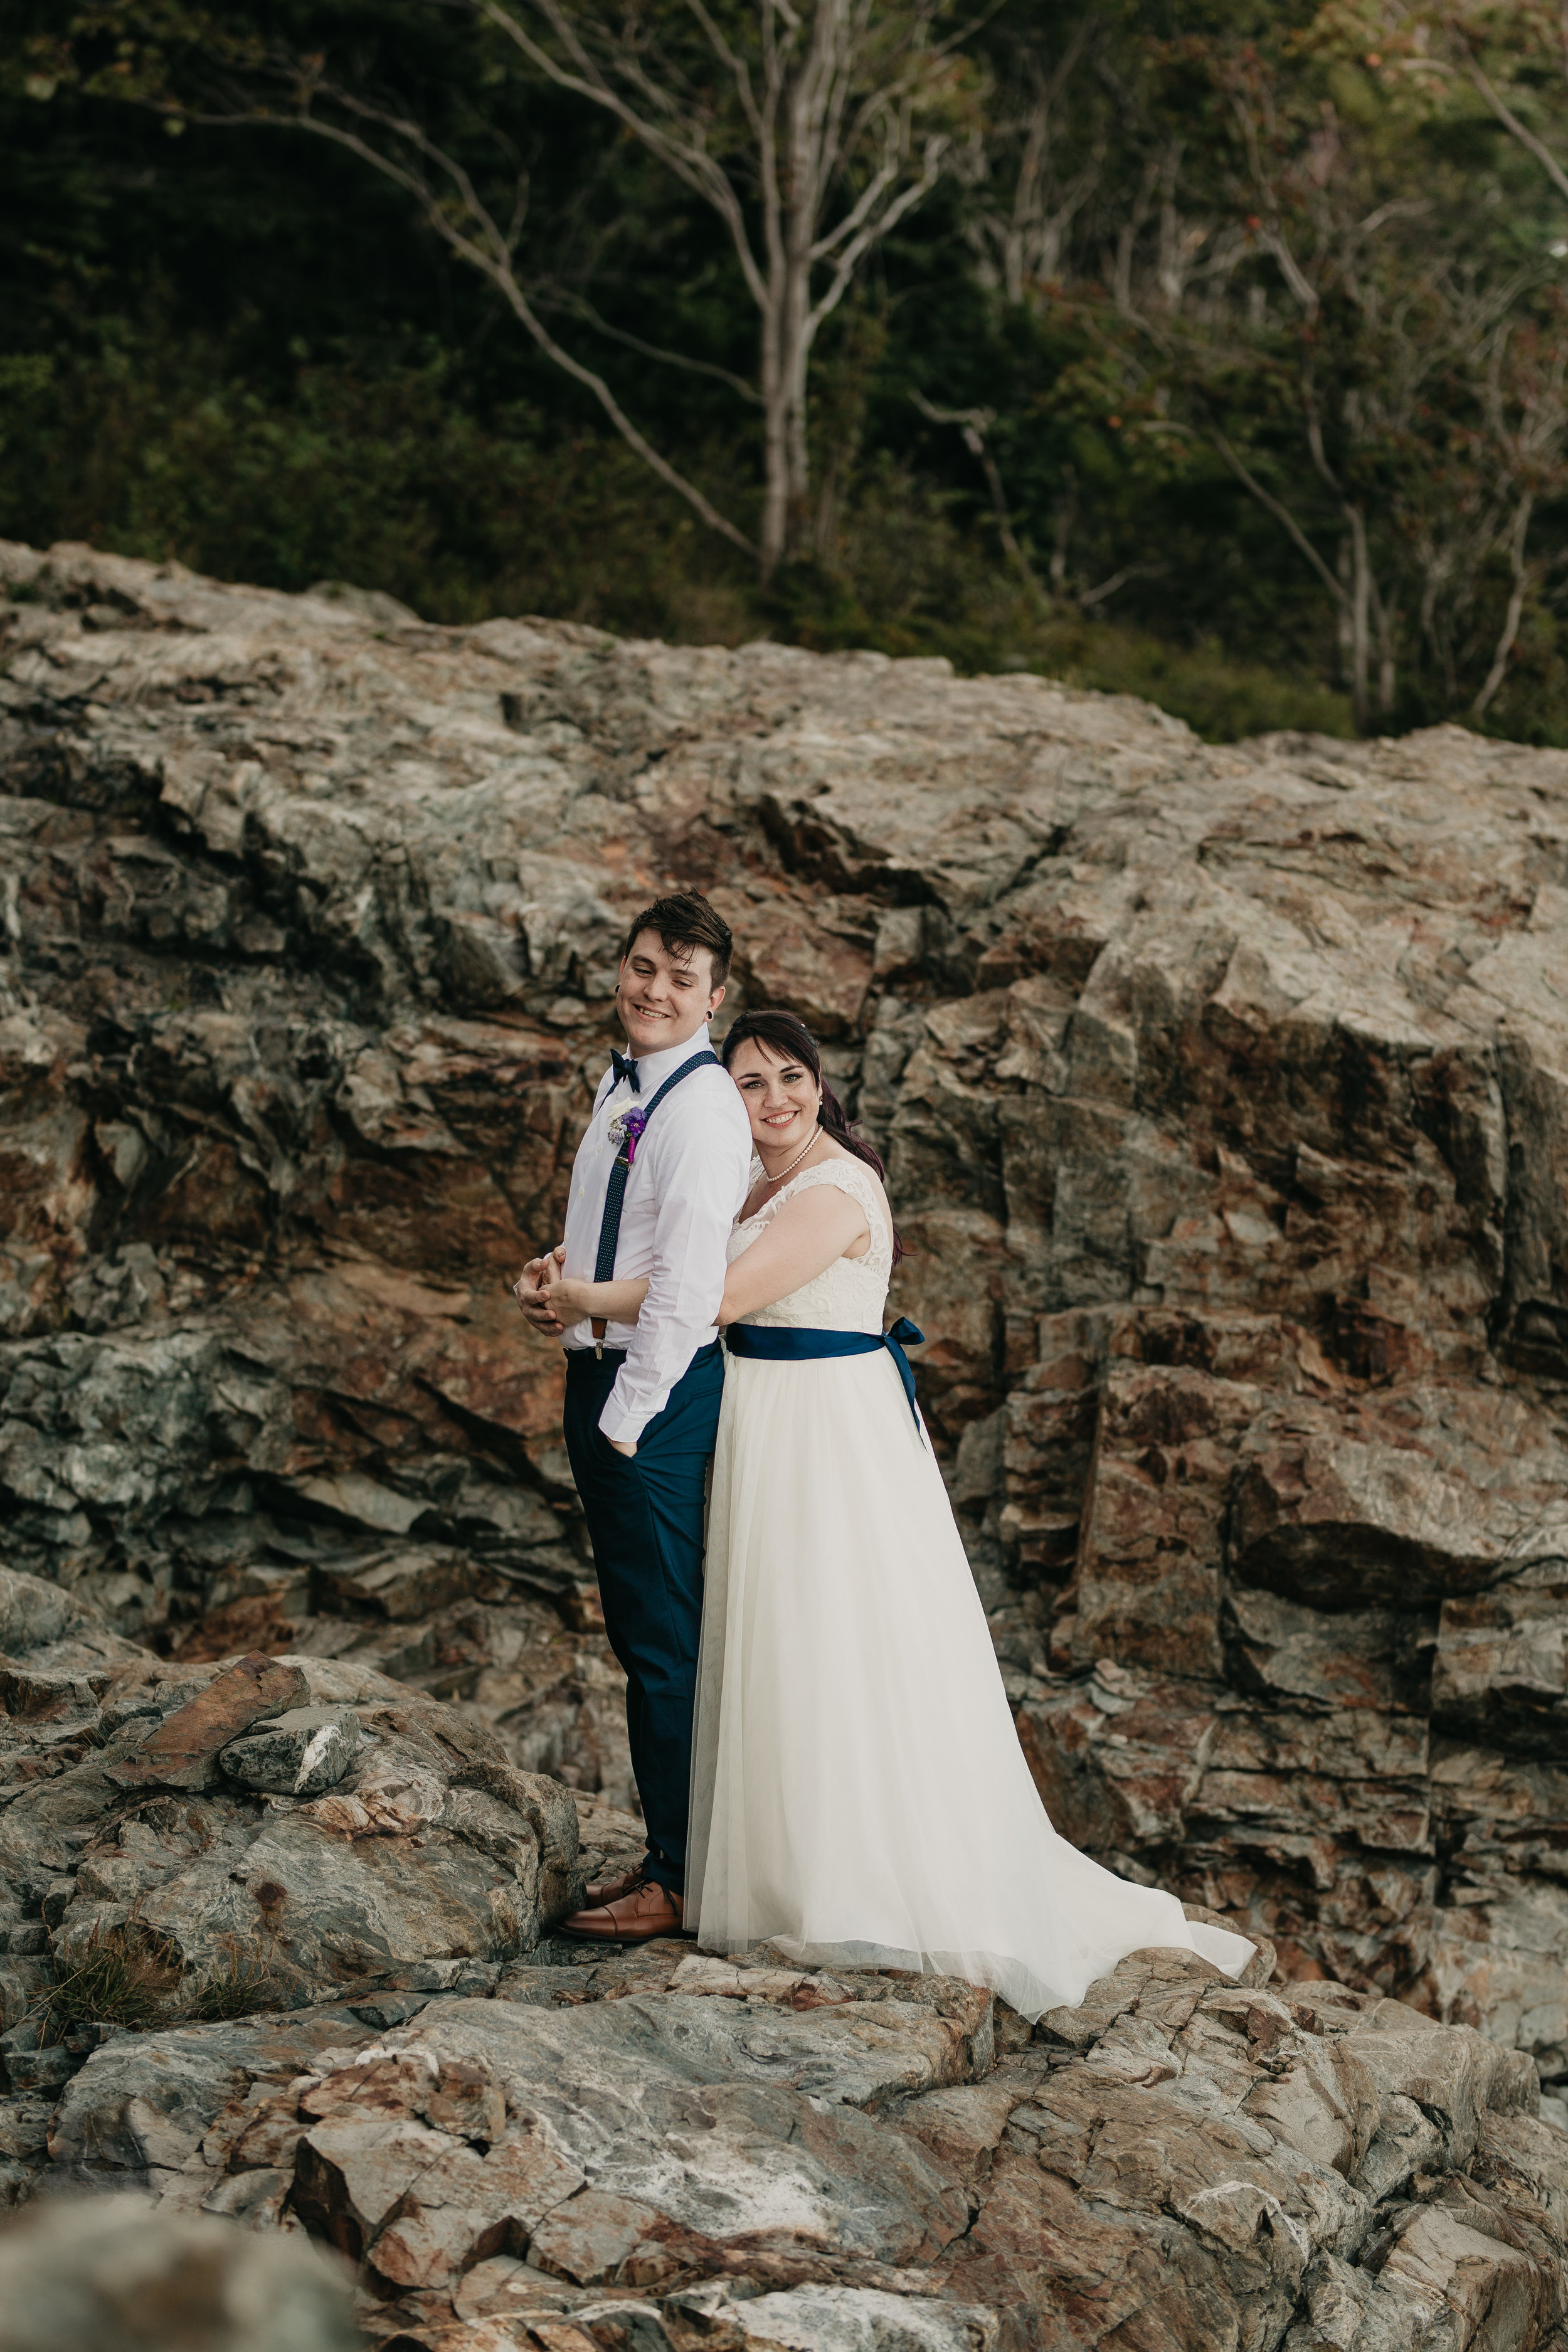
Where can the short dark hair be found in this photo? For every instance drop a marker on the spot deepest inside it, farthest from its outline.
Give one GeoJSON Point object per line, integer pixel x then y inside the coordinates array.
{"type": "Point", "coordinates": [684, 921]}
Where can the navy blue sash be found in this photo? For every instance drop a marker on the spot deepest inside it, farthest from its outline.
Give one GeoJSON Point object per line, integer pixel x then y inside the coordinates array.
{"type": "Point", "coordinates": [784, 1343]}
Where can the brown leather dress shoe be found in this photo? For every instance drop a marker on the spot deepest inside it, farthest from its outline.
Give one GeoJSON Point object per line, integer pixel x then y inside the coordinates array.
{"type": "Point", "coordinates": [634, 1918]}
{"type": "Point", "coordinates": [600, 1891]}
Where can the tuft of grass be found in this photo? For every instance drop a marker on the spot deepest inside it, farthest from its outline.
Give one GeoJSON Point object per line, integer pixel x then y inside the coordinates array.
{"type": "Point", "coordinates": [129, 1975]}
{"type": "Point", "coordinates": [242, 1983]}
{"type": "Point", "coordinates": [120, 1976]}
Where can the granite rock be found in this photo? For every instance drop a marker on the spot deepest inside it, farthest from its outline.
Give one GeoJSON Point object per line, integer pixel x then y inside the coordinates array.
{"type": "Point", "coordinates": [138, 1880]}
{"type": "Point", "coordinates": [181, 1751]}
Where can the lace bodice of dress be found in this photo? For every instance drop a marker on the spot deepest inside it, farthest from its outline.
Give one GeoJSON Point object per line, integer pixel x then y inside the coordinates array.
{"type": "Point", "coordinates": [848, 1296]}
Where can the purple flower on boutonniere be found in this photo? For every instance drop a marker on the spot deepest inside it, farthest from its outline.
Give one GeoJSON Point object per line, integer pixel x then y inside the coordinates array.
{"type": "Point", "coordinates": [627, 1129]}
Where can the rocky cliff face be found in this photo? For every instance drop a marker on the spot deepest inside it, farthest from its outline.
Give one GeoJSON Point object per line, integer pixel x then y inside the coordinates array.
{"type": "Point", "coordinates": [1226, 1096]}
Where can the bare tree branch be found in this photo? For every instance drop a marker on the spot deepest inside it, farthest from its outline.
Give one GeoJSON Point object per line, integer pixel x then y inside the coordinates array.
{"type": "Point", "coordinates": [1107, 588]}
{"type": "Point", "coordinates": [737, 383]}
{"type": "Point", "coordinates": [1281, 513]}
{"type": "Point", "coordinates": [1505, 644]}
{"type": "Point", "coordinates": [491, 258]}
{"type": "Point", "coordinates": [1511, 123]}
{"type": "Point", "coordinates": [849, 260]}
{"type": "Point", "coordinates": [685, 157]}
{"type": "Point", "coordinates": [975, 424]}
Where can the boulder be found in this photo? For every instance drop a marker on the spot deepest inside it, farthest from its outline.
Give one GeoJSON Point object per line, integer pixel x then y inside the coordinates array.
{"type": "Point", "coordinates": [112, 2274]}
{"type": "Point", "coordinates": [301, 1753]}
{"type": "Point", "coordinates": [181, 1750]}
{"type": "Point", "coordinates": [45, 1631]}
{"type": "Point", "coordinates": [155, 1864]}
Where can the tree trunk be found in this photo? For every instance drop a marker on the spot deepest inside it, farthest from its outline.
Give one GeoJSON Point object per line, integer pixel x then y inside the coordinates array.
{"type": "Point", "coordinates": [1385, 666]}
{"type": "Point", "coordinates": [776, 438]}
{"type": "Point", "coordinates": [1361, 603]}
{"type": "Point", "coordinates": [1343, 630]}
{"type": "Point", "coordinates": [800, 189]}
{"type": "Point", "coordinates": [796, 452]}
{"type": "Point", "coordinates": [1513, 617]}
{"type": "Point", "coordinates": [785, 355]}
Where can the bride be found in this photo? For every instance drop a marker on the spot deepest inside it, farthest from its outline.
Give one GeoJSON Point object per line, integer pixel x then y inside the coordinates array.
{"type": "Point", "coordinates": [860, 1797]}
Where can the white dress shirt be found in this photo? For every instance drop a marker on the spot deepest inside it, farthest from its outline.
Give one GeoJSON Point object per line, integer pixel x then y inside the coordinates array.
{"type": "Point", "coordinates": [687, 1186]}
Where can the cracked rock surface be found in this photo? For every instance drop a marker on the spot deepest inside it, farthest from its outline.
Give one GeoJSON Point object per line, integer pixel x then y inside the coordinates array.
{"type": "Point", "coordinates": [582, 2149]}
{"type": "Point", "coordinates": [141, 1875]}
{"type": "Point", "coordinates": [1225, 1092]}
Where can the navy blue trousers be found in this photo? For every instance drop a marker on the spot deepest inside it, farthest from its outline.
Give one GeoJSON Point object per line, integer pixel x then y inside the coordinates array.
{"type": "Point", "coordinates": [645, 1516]}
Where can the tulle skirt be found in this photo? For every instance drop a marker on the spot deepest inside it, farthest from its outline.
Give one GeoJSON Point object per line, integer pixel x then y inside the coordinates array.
{"type": "Point", "coordinates": [860, 1797]}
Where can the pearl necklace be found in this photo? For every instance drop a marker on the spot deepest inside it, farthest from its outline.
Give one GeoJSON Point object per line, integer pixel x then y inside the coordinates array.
{"type": "Point", "coordinates": [794, 1162]}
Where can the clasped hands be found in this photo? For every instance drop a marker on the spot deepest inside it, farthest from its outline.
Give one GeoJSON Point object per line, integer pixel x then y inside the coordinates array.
{"type": "Point", "coordinates": [538, 1291]}
{"type": "Point", "coordinates": [545, 1297]}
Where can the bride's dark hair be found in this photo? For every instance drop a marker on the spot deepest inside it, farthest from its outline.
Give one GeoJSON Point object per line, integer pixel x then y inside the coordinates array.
{"type": "Point", "coordinates": [791, 1041]}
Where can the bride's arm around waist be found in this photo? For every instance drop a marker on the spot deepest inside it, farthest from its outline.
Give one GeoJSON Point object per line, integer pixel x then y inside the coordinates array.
{"type": "Point", "coordinates": [615, 1302]}
{"type": "Point", "coordinates": [803, 1241]}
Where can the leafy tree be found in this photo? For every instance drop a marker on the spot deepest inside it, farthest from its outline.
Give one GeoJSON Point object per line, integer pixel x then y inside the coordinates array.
{"type": "Point", "coordinates": [1311, 288]}
{"type": "Point", "coordinates": [810, 133]}
{"type": "Point", "coordinates": [1212, 352]}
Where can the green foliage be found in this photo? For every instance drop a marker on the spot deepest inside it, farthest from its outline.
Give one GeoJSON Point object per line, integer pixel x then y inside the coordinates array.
{"type": "Point", "coordinates": [1221, 698]}
{"type": "Point", "coordinates": [387, 479]}
{"type": "Point", "coordinates": [241, 350]}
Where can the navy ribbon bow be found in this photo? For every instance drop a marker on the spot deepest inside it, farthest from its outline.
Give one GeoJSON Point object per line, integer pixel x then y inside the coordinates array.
{"type": "Point", "coordinates": [790, 1343]}
{"type": "Point", "coordinates": [625, 1067]}
{"type": "Point", "coordinates": [905, 1333]}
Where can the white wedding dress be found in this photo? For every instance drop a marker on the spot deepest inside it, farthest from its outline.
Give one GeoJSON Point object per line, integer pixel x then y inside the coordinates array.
{"type": "Point", "coordinates": [860, 1797]}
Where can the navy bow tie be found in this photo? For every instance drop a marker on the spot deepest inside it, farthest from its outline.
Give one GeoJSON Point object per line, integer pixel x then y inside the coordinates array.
{"type": "Point", "coordinates": [625, 1067]}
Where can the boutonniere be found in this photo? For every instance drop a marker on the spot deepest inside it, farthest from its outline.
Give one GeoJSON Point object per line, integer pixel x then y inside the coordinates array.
{"type": "Point", "coordinates": [627, 1129]}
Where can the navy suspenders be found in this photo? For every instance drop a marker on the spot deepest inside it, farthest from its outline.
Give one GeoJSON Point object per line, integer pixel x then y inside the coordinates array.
{"type": "Point", "coordinates": [632, 1123]}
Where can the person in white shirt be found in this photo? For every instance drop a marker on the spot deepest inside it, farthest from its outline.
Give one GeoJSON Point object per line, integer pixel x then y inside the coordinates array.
{"type": "Point", "coordinates": [658, 1180]}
